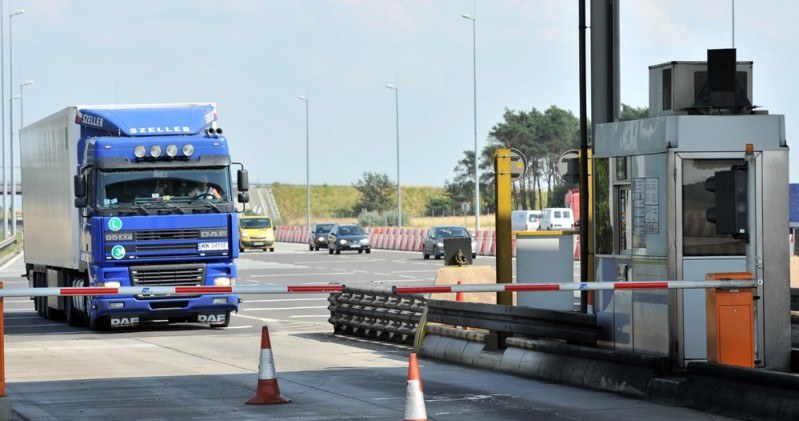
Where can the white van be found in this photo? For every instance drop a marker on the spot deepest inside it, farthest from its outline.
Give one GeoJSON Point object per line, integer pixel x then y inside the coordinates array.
{"type": "Point", "coordinates": [525, 220]}
{"type": "Point", "coordinates": [557, 219]}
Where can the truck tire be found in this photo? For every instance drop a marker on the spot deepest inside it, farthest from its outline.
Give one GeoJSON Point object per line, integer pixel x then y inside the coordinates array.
{"type": "Point", "coordinates": [100, 323]}
{"type": "Point", "coordinates": [73, 316]}
{"type": "Point", "coordinates": [223, 325]}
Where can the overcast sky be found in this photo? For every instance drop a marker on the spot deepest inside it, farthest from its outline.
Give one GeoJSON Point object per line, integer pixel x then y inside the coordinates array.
{"type": "Point", "coordinates": [254, 57]}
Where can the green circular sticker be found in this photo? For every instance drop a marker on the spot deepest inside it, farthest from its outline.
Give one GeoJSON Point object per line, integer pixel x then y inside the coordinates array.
{"type": "Point", "coordinates": [118, 252]}
{"type": "Point", "coordinates": [115, 224]}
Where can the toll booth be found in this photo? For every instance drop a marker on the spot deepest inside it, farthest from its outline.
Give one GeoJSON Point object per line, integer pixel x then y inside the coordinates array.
{"type": "Point", "coordinates": [652, 181]}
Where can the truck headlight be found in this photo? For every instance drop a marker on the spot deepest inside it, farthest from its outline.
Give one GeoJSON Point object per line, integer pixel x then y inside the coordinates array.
{"type": "Point", "coordinates": [171, 150]}
{"type": "Point", "coordinates": [188, 149]}
{"type": "Point", "coordinates": [109, 284]}
{"type": "Point", "coordinates": [245, 235]}
{"type": "Point", "coordinates": [139, 151]}
{"type": "Point", "coordinates": [225, 281]}
{"type": "Point", "coordinates": [155, 151]}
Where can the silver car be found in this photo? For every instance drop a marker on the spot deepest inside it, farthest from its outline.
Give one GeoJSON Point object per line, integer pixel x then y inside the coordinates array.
{"type": "Point", "coordinates": [434, 240]}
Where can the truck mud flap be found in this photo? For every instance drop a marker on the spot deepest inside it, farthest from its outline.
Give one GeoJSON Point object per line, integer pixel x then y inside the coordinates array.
{"type": "Point", "coordinates": [123, 321]}
{"type": "Point", "coordinates": [212, 318]}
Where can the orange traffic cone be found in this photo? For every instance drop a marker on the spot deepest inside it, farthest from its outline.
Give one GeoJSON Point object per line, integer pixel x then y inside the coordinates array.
{"type": "Point", "coordinates": [268, 392]}
{"type": "Point", "coordinates": [459, 295]}
{"type": "Point", "coordinates": [414, 398]}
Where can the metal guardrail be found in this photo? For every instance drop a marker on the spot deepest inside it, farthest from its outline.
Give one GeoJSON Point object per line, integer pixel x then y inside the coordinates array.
{"type": "Point", "coordinates": [375, 312]}
{"type": "Point", "coordinates": [572, 327]}
{"type": "Point", "coordinates": [7, 242]}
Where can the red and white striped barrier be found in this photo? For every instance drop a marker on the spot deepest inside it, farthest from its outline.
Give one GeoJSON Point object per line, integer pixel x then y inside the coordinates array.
{"type": "Point", "coordinates": [160, 290]}
{"type": "Point", "coordinates": [293, 289]}
{"type": "Point", "coordinates": [584, 286]}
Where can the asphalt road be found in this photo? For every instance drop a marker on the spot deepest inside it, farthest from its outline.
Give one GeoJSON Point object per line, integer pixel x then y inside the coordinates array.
{"type": "Point", "coordinates": [192, 372]}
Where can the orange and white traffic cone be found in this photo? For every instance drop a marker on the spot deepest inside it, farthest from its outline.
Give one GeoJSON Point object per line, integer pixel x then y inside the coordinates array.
{"type": "Point", "coordinates": [459, 295]}
{"type": "Point", "coordinates": [268, 392]}
{"type": "Point", "coordinates": [414, 398]}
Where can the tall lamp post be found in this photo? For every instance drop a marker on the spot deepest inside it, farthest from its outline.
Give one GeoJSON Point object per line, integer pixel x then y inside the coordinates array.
{"type": "Point", "coordinates": [476, 156]}
{"type": "Point", "coordinates": [11, 119]}
{"type": "Point", "coordinates": [307, 167]}
{"type": "Point", "coordinates": [21, 108]}
{"type": "Point", "coordinates": [396, 118]}
{"type": "Point", "coordinates": [21, 125]}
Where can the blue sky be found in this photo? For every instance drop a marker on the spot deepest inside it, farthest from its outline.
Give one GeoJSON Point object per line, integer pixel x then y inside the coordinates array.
{"type": "Point", "coordinates": [254, 57]}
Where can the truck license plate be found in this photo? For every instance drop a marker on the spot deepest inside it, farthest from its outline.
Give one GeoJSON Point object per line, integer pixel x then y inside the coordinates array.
{"type": "Point", "coordinates": [212, 246]}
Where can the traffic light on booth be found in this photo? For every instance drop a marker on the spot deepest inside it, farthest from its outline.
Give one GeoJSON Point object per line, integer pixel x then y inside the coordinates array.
{"type": "Point", "coordinates": [729, 213]}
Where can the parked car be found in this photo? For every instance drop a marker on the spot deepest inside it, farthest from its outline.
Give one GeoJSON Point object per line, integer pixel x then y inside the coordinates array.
{"type": "Point", "coordinates": [256, 232]}
{"type": "Point", "coordinates": [348, 237]}
{"type": "Point", "coordinates": [434, 240]}
{"type": "Point", "coordinates": [557, 219]}
{"type": "Point", "coordinates": [525, 220]}
{"type": "Point", "coordinates": [318, 235]}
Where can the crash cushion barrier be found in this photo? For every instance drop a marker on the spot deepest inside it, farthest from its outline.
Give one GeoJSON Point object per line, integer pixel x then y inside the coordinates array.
{"type": "Point", "coordinates": [406, 239]}
{"type": "Point", "coordinates": [372, 310]}
{"type": "Point", "coordinates": [752, 393]}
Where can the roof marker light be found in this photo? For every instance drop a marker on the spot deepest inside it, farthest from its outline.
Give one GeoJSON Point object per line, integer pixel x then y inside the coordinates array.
{"type": "Point", "coordinates": [139, 151]}
{"type": "Point", "coordinates": [188, 149]}
{"type": "Point", "coordinates": [171, 151]}
{"type": "Point", "coordinates": [155, 151]}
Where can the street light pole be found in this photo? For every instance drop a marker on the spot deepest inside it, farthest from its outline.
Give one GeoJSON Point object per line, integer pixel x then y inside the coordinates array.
{"type": "Point", "coordinates": [21, 108]}
{"type": "Point", "coordinates": [396, 118]}
{"type": "Point", "coordinates": [3, 119]}
{"type": "Point", "coordinates": [11, 120]}
{"type": "Point", "coordinates": [476, 155]}
{"type": "Point", "coordinates": [307, 166]}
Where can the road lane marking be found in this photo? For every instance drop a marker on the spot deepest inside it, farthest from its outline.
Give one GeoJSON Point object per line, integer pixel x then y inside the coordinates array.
{"type": "Point", "coordinates": [412, 271]}
{"type": "Point", "coordinates": [302, 274]}
{"type": "Point", "coordinates": [286, 299]}
{"type": "Point", "coordinates": [12, 261]}
{"type": "Point", "coordinates": [284, 308]}
{"type": "Point", "coordinates": [311, 315]}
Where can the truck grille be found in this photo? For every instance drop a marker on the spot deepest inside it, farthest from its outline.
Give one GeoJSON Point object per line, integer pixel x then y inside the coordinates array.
{"type": "Point", "coordinates": [177, 234]}
{"type": "Point", "coordinates": [167, 275]}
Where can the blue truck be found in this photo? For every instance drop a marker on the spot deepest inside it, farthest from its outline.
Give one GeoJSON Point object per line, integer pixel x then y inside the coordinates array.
{"type": "Point", "coordinates": [131, 195]}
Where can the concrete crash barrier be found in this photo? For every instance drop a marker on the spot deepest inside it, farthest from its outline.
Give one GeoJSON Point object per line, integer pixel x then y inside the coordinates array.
{"type": "Point", "coordinates": [755, 393]}
{"type": "Point", "coordinates": [373, 311]}
{"type": "Point", "coordinates": [529, 358]}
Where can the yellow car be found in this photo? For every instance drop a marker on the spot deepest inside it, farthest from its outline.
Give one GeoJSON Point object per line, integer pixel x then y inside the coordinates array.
{"type": "Point", "coordinates": [256, 232]}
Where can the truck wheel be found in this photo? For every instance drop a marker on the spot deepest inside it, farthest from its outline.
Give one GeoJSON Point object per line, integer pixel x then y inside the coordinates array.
{"type": "Point", "coordinates": [221, 325]}
{"type": "Point", "coordinates": [73, 316]}
{"type": "Point", "coordinates": [100, 323]}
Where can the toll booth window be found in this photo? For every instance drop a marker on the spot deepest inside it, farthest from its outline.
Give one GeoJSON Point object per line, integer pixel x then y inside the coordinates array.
{"type": "Point", "coordinates": [603, 226]}
{"type": "Point", "coordinates": [699, 236]}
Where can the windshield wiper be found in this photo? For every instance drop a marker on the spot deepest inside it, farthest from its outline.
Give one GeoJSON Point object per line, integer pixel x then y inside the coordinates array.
{"type": "Point", "coordinates": [214, 207]}
{"type": "Point", "coordinates": [177, 209]}
{"type": "Point", "coordinates": [142, 210]}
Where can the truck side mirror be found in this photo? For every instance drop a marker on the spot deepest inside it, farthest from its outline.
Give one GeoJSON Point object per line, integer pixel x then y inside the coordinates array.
{"type": "Point", "coordinates": [243, 181]}
{"type": "Point", "coordinates": [244, 197]}
{"type": "Point", "coordinates": [79, 182]}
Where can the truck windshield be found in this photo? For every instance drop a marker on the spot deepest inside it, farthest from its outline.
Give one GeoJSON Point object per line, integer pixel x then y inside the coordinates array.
{"type": "Point", "coordinates": [256, 223]}
{"type": "Point", "coordinates": [174, 189]}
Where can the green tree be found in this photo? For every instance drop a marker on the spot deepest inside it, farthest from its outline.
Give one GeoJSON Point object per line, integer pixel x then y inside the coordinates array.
{"type": "Point", "coordinates": [376, 192]}
{"type": "Point", "coordinates": [628, 112]}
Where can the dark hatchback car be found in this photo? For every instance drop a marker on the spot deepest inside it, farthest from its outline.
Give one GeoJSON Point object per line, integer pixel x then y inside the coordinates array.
{"type": "Point", "coordinates": [348, 237]}
{"type": "Point", "coordinates": [434, 240]}
{"type": "Point", "coordinates": [318, 235]}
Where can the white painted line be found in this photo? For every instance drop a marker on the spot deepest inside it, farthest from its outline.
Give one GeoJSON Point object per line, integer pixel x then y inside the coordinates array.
{"type": "Point", "coordinates": [311, 315]}
{"type": "Point", "coordinates": [301, 274]}
{"type": "Point", "coordinates": [316, 283]}
{"type": "Point", "coordinates": [285, 300]}
{"type": "Point", "coordinates": [10, 262]}
{"type": "Point", "coordinates": [284, 308]}
{"type": "Point", "coordinates": [43, 325]}
{"type": "Point", "coordinates": [260, 319]}
{"type": "Point", "coordinates": [412, 271]}
{"type": "Point", "coordinates": [382, 274]}
{"type": "Point", "coordinates": [342, 261]}
{"type": "Point", "coordinates": [238, 327]}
